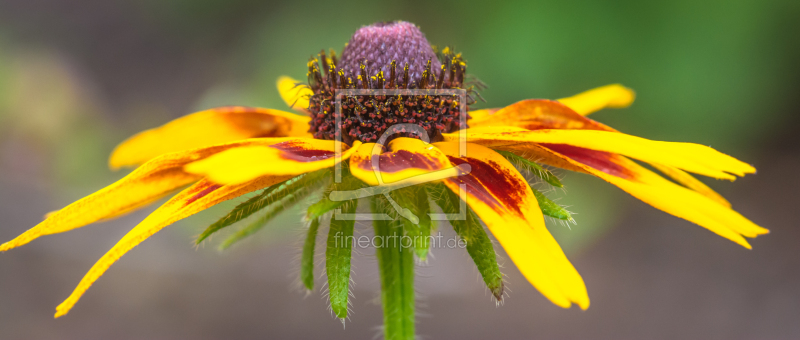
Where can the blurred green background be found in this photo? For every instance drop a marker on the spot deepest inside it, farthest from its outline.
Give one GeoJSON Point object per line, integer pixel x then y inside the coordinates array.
{"type": "Point", "coordinates": [79, 76]}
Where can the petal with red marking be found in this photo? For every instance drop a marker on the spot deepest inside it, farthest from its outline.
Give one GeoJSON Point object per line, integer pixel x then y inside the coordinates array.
{"type": "Point", "coordinates": [403, 159]}
{"type": "Point", "coordinates": [648, 187]}
{"type": "Point", "coordinates": [534, 114]}
{"type": "Point", "coordinates": [281, 156]}
{"type": "Point", "coordinates": [545, 114]}
{"type": "Point", "coordinates": [686, 156]}
{"type": "Point", "coordinates": [502, 198]}
{"type": "Point", "coordinates": [209, 127]}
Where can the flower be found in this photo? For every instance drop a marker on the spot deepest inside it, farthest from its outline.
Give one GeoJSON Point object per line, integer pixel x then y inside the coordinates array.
{"type": "Point", "coordinates": [227, 152]}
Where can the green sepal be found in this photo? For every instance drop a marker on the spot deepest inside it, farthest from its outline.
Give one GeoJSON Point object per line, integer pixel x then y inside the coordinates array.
{"type": "Point", "coordinates": [479, 246]}
{"type": "Point", "coordinates": [415, 199]}
{"type": "Point", "coordinates": [307, 259]}
{"type": "Point", "coordinates": [551, 208]}
{"type": "Point", "coordinates": [532, 167]}
{"type": "Point", "coordinates": [286, 196]}
{"type": "Point", "coordinates": [326, 204]}
{"type": "Point", "coordinates": [396, 265]}
{"type": "Point", "coordinates": [242, 211]}
{"type": "Point", "coordinates": [547, 206]}
{"type": "Point", "coordinates": [337, 259]}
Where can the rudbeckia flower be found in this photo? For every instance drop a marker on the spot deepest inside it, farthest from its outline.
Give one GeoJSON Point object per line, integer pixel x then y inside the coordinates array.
{"type": "Point", "coordinates": [475, 165]}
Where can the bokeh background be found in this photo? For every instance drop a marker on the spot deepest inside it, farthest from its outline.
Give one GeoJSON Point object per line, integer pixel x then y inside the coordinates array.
{"type": "Point", "coordinates": [79, 76]}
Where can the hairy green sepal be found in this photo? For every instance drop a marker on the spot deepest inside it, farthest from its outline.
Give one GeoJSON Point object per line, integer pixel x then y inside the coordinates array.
{"type": "Point", "coordinates": [307, 259]}
{"type": "Point", "coordinates": [415, 199]}
{"type": "Point", "coordinates": [337, 259]}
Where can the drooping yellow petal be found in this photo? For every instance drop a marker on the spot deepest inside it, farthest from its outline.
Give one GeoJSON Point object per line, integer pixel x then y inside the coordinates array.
{"type": "Point", "coordinates": [690, 182]}
{"type": "Point", "coordinates": [294, 93]}
{"type": "Point", "coordinates": [153, 180]}
{"type": "Point", "coordinates": [648, 187]}
{"type": "Point", "coordinates": [503, 200]}
{"type": "Point", "coordinates": [403, 158]}
{"type": "Point", "coordinates": [537, 114]}
{"type": "Point", "coordinates": [209, 127]}
{"type": "Point", "coordinates": [534, 114]}
{"type": "Point", "coordinates": [190, 201]}
{"type": "Point", "coordinates": [686, 156]}
{"type": "Point", "coordinates": [281, 156]}
{"type": "Point", "coordinates": [609, 96]}
{"type": "Point", "coordinates": [545, 114]}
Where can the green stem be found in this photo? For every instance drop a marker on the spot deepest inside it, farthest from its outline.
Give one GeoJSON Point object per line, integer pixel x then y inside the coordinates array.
{"type": "Point", "coordinates": [396, 264]}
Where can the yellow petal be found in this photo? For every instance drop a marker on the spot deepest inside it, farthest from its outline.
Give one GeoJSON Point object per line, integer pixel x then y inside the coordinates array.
{"type": "Point", "coordinates": [148, 183]}
{"type": "Point", "coordinates": [294, 93]}
{"type": "Point", "coordinates": [281, 156]}
{"type": "Point", "coordinates": [503, 200]}
{"type": "Point", "coordinates": [478, 115]}
{"type": "Point", "coordinates": [544, 114]}
{"type": "Point", "coordinates": [686, 156]}
{"type": "Point", "coordinates": [194, 199]}
{"type": "Point", "coordinates": [534, 114]}
{"type": "Point", "coordinates": [204, 128]}
{"type": "Point", "coordinates": [652, 189]}
{"type": "Point", "coordinates": [692, 183]}
{"type": "Point", "coordinates": [404, 158]}
{"type": "Point", "coordinates": [609, 96]}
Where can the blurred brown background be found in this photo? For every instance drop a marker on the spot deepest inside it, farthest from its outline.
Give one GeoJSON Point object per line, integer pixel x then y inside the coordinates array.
{"type": "Point", "coordinates": [78, 76]}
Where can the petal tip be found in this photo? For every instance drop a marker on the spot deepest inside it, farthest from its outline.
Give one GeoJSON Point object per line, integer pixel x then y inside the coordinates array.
{"type": "Point", "coordinates": [20, 240]}
{"type": "Point", "coordinates": [60, 311]}
{"type": "Point", "coordinates": [114, 164]}
{"type": "Point", "coordinates": [565, 303]}
{"type": "Point", "coordinates": [293, 95]}
{"type": "Point", "coordinates": [625, 97]}
{"type": "Point", "coordinates": [746, 245]}
{"type": "Point", "coordinates": [758, 231]}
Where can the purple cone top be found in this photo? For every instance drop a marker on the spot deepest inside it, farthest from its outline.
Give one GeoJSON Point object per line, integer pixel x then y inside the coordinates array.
{"type": "Point", "coordinates": [389, 55]}
{"type": "Point", "coordinates": [378, 44]}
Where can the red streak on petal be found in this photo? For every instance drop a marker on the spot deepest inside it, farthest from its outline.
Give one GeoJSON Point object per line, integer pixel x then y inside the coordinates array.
{"type": "Point", "coordinates": [492, 184]}
{"type": "Point", "coordinates": [203, 193]}
{"type": "Point", "coordinates": [299, 151]}
{"type": "Point", "coordinates": [600, 160]}
{"type": "Point", "coordinates": [400, 160]}
{"type": "Point", "coordinates": [535, 114]}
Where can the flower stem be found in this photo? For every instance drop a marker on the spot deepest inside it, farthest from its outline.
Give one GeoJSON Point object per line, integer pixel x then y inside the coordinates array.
{"type": "Point", "coordinates": [396, 264]}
